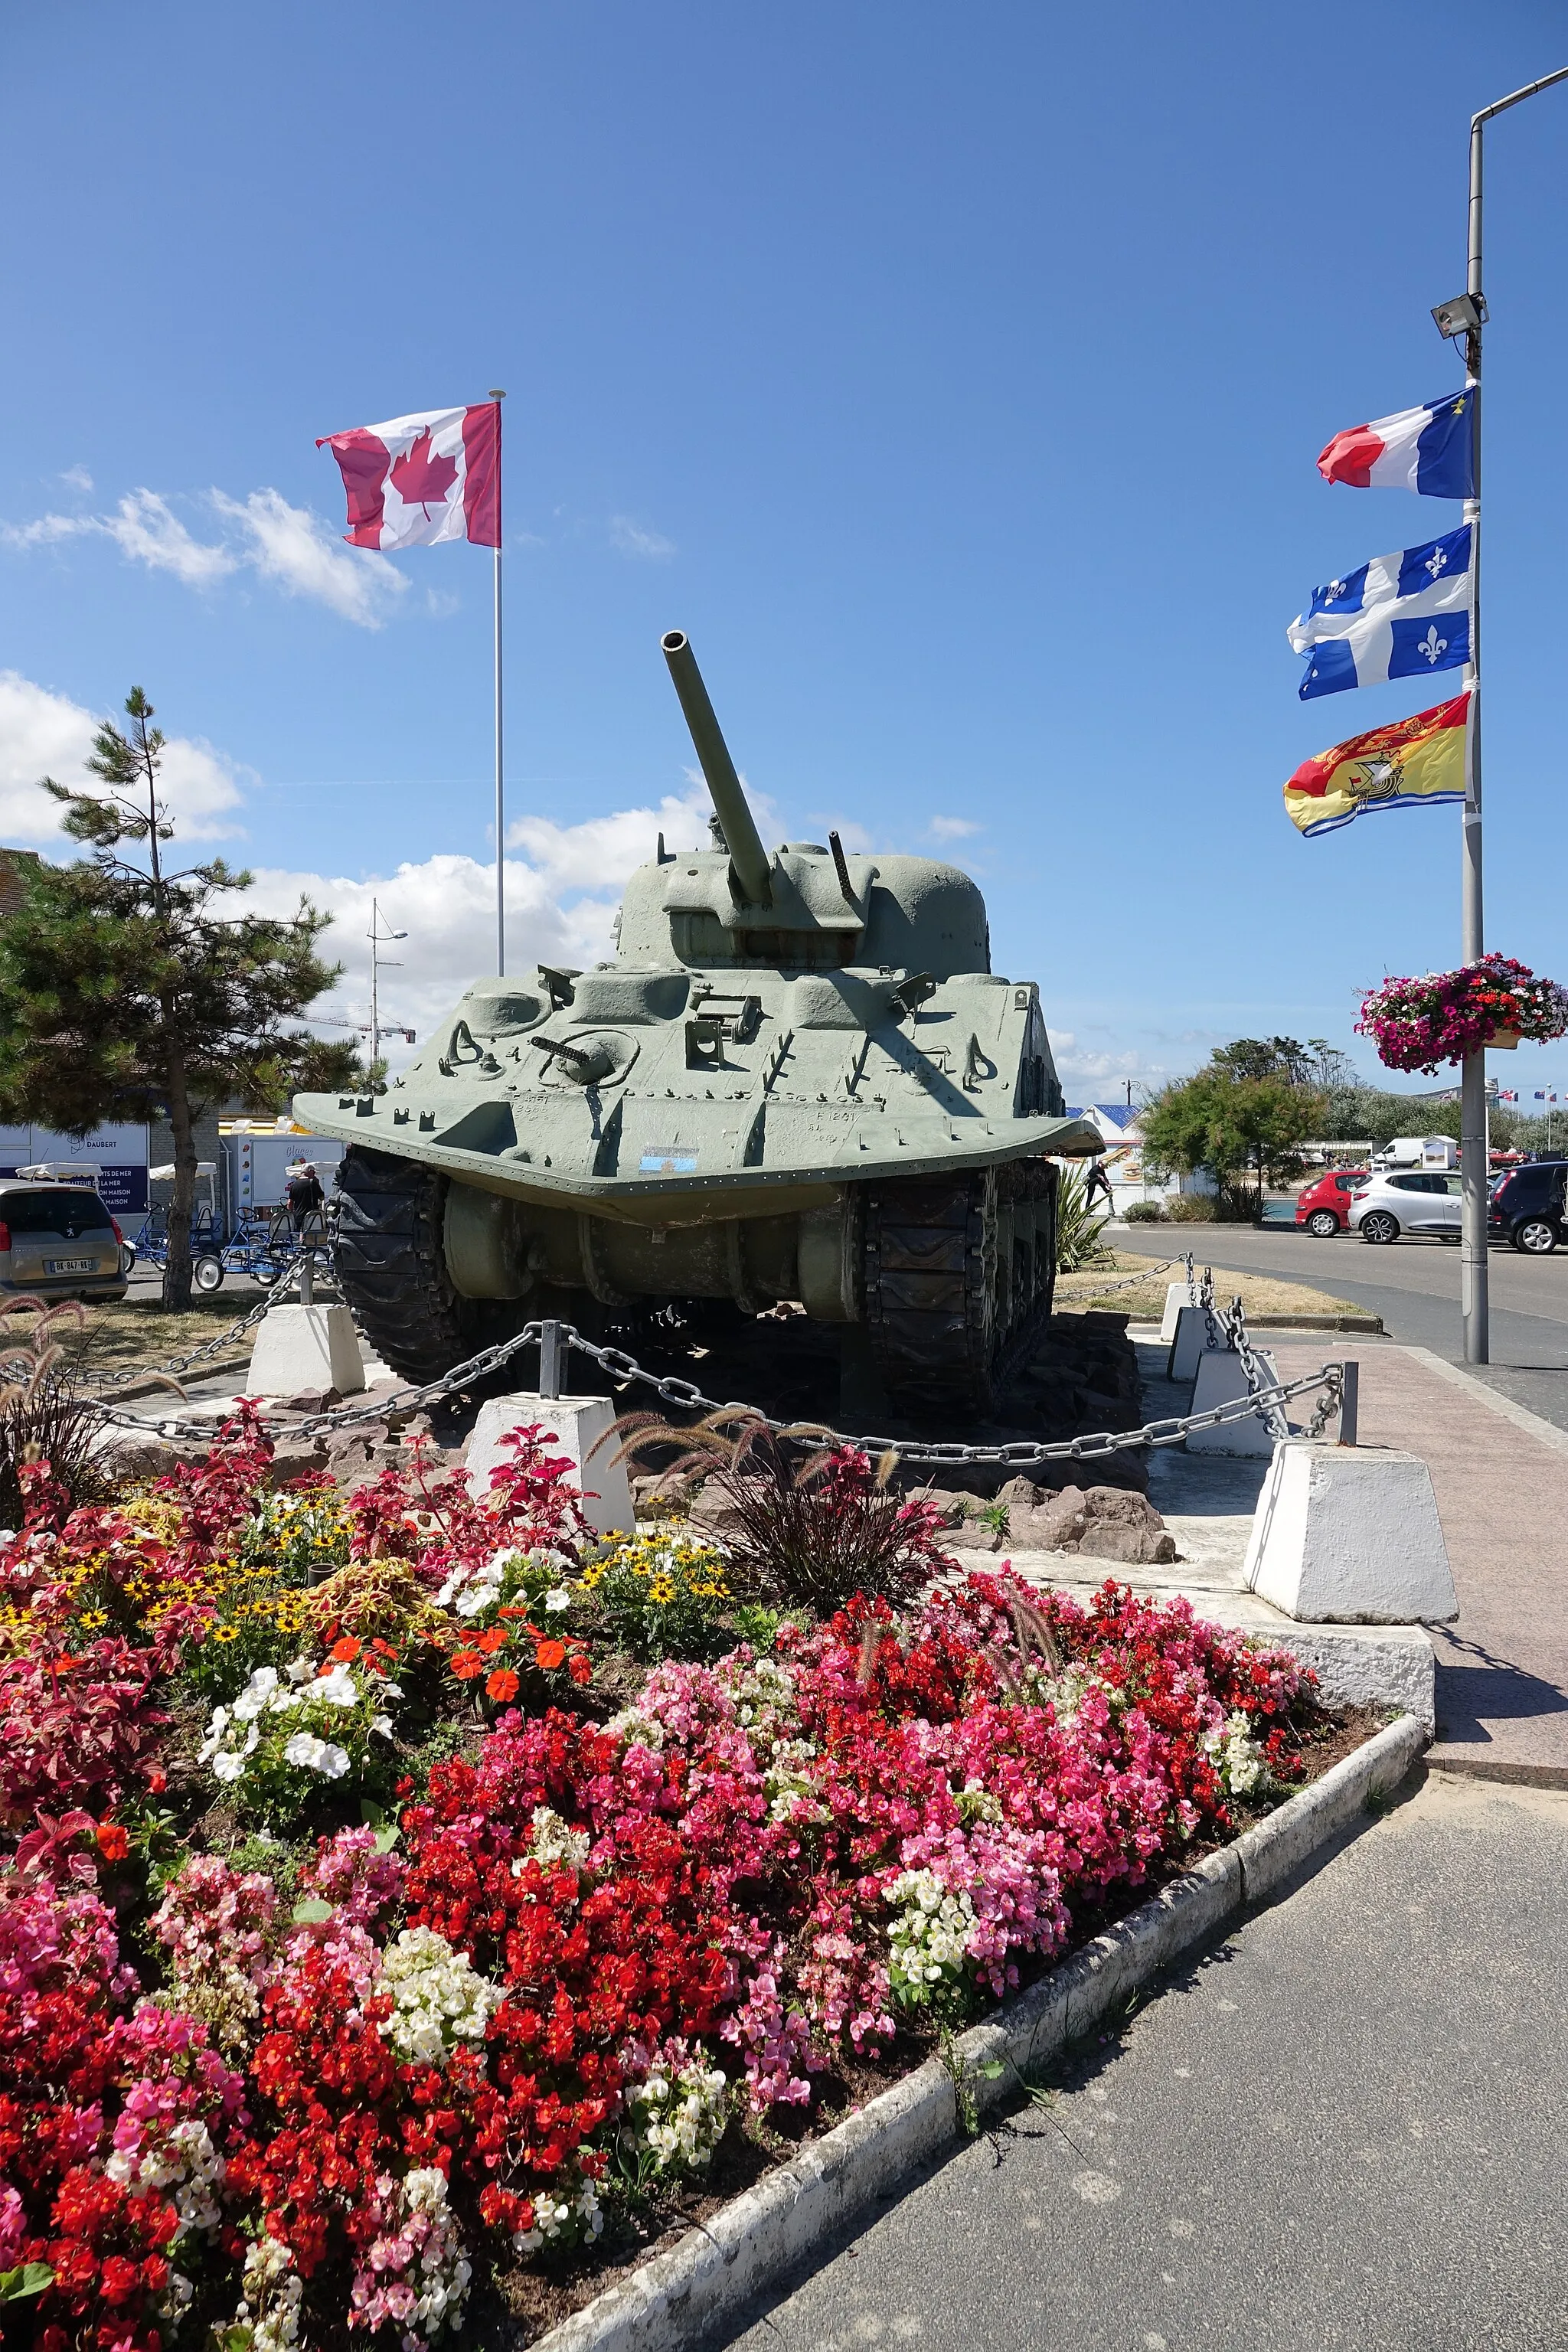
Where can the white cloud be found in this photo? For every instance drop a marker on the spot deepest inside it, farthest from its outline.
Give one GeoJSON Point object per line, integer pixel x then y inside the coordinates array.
{"type": "Point", "coordinates": [633, 539]}
{"type": "Point", "coordinates": [43, 733]}
{"type": "Point", "coordinates": [77, 477]}
{"type": "Point", "coordinates": [447, 905]}
{"type": "Point", "coordinates": [146, 530]}
{"type": "Point", "coordinates": [294, 548]}
{"type": "Point", "coordinates": [149, 533]}
{"type": "Point", "coordinates": [952, 828]}
{"type": "Point", "coordinates": [599, 854]}
{"type": "Point", "coordinates": [290, 546]}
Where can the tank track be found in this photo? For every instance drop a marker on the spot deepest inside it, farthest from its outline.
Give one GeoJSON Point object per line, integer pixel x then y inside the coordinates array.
{"type": "Point", "coordinates": [392, 1269]}
{"type": "Point", "coordinates": [948, 1323]}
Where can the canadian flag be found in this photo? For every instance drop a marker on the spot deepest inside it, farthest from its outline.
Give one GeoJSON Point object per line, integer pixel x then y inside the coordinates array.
{"type": "Point", "coordinates": [421, 479]}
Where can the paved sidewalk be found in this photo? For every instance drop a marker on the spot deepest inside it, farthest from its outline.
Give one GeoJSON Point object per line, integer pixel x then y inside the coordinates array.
{"type": "Point", "coordinates": [1343, 2129]}
{"type": "Point", "coordinates": [1501, 1484]}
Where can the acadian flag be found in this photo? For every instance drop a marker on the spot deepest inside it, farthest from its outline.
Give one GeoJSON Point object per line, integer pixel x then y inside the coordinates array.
{"type": "Point", "coordinates": [1431, 449]}
{"type": "Point", "coordinates": [1416, 762]}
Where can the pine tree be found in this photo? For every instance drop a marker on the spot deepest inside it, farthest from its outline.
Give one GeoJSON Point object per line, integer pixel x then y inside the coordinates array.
{"type": "Point", "coordinates": [124, 995]}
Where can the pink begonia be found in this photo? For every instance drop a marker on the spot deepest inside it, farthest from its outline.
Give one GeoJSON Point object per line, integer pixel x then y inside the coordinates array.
{"type": "Point", "coordinates": [775, 2044]}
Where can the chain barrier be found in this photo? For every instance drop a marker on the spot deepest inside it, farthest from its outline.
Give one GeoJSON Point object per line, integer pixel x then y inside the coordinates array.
{"type": "Point", "coordinates": [1132, 1281]}
{"type": "Point", "coordinates": [1265, 1398]}
{"type": "Point", "coordinates": [1236, 1339]}
{"type": "Point", "coordinates": [201, 1355]}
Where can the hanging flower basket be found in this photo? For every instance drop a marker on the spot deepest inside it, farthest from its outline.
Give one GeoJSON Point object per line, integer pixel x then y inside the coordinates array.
{"type": "Point", "coordinates": [1441, 1017]}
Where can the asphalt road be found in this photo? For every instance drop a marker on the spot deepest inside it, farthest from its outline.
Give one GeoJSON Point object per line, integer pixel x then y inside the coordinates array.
{"type": "Point", "coordinates": [1415, 1287]}
{"type": "Point", "coordinates": [1341, 2132]}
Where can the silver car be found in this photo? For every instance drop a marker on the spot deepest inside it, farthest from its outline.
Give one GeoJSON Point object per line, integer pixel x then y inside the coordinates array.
{"type": "Point", "coordinates": [59, 1241]}
{"type": "Point", "coordinates": [1412, 1200]}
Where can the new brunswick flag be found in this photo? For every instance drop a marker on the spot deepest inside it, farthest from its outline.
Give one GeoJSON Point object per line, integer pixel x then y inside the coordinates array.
{"type": "Point", "coordinates": [1415, 763]}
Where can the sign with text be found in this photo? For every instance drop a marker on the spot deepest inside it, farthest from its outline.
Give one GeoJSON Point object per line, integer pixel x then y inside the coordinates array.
{"type": "Point", "coordinates": [118, 1154]}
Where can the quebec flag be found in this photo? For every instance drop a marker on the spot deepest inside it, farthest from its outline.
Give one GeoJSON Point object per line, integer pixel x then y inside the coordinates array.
{"type": "Point", "coordinates": [1402, 615]}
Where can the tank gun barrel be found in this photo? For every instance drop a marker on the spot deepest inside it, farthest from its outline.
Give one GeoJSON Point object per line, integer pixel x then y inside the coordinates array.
{"type": "Point", "coordinates": [748, 858]}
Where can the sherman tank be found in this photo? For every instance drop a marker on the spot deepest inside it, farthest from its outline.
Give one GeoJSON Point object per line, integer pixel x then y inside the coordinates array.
{"type": "Point", "coordinates": [798, 1079]}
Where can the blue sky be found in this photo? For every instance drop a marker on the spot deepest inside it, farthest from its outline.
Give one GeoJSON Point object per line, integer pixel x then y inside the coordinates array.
{"type": "Point", "coordinates": [954, 377]}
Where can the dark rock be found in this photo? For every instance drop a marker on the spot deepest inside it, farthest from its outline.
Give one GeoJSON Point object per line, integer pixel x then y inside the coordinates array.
{"type": "Point", "coordinates": [668, 1496]}
{"type": "Point", "coordinates": [713, 1508]}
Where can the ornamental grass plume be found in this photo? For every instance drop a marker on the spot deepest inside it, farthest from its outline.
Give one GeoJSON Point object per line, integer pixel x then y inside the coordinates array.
{"type": "Point", "coordinates": [42, 1419]}
{"type": "Point", "coordinates": [810, 1531]}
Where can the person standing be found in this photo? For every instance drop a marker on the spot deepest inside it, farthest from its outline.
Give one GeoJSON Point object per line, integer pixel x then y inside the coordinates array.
{"type": "Point", "coordinates": [304, 1195]}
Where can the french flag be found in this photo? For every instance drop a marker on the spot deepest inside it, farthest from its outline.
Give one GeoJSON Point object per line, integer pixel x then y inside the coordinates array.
{"type": "Point", "coordinates": [1429, 449]}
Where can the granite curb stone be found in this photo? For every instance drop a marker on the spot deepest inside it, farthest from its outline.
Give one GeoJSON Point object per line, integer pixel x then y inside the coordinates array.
{"type": "Point", "coordinates": [720, 2266]}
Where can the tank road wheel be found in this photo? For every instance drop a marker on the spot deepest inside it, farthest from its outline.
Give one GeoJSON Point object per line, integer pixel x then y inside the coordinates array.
{"type": "Point", "coordinates": [959, 1279]}
{"type": "Point", "coordinates": [392, 1265]}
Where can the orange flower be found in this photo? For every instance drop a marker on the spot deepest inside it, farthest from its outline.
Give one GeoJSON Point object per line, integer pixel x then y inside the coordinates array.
{"type": "Point", "coordinates": [114, 1843]}
{"type": "Point", "coordinates": [491, 1641]}
{"type": "Point", "coordinates": [502, 1685]}
{"type": "Point", "coordinates": [346, 1650]}
{"type": "Point", "coordinates": [579, 1669]}
{"type": "Point", "coordinates": [549, 1654]}
{"type": "Point", "coordinates": [467, 1665]}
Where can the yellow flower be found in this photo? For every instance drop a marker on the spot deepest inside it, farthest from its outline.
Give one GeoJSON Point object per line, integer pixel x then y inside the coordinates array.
{"type": "Point", "coordinates": [226, 1634]}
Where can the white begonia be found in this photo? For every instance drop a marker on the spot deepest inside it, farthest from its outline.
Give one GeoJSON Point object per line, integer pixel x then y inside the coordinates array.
{"type": "Point", "coordinates": [680, 2110]}
{"type": "Point", "coordinates": [177, 2297]}
{"type": "Point", "coordinates": [554, 2217]}
{"type": "Point", "coordinates": [635, 1729]}
{"type": "Point", "coordinates": [930, 1936]}
{"type": "Point", "coordinates": [441, 2000]}
{"type": "Point", "coordinates": [556, 1840]}
{"type": "Point", "coordinates": [558, 1599]}
{"type": "Point", "coordinates": [444, 2270]}
{"type": "Point", "coordinates": [187, 2161]}
{"type": "Point", "coordinates": [272, 2290]}
{"type": "Point", "coordinates": [787, 1779]}
{"type": "Point", "coordinates": [315, 1755]}
{"type": "Point", "coordinates": [1237, 1758]}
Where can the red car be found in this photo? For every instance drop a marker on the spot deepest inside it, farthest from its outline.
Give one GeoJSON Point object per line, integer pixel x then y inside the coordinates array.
{"type": "Point", "coordinates": [1323, 1206]}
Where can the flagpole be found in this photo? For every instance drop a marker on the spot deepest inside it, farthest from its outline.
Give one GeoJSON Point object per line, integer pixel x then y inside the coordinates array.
{"type": "Point", "coordinates": [1474, 1289]}
{"type": "Point", "coordinates": [500, 793]}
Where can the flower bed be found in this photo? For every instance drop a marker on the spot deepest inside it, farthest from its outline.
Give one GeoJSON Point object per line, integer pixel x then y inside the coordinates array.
{"type": "Point", "coordinates": [1441, 1017]}
{"type": "Point", "coordinates": [376, 1931]}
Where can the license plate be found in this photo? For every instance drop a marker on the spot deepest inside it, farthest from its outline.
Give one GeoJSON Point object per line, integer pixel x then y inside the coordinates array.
{"type": "Point", "coordinates": [70, 1265]}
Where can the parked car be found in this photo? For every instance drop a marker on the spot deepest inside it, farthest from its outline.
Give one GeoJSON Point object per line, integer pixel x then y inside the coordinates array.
{"type": "Point", "coordinates": [1324, 1205]}
{"type": "Point", "coordinates": [1528, 1208]}
{"type": "Point", "coordinates": [1407, 1201]}
{"type": "Point", "coordinates": [59, 1241]}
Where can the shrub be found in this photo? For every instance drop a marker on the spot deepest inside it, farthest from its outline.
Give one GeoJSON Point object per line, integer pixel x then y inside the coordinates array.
{"type": "Point", "coordinates": [811, 1532]}
{"type": "Point", "coordinates": [1147, 1212]}
{"type": "Point", "coordinates": [1079, 1228]}
{"type": "Point", "coordinates": [1192, 1208]}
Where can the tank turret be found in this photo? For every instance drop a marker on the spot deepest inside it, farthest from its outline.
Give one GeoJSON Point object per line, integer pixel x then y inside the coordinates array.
{"type": "Point", "coordinates": [798, 1078]}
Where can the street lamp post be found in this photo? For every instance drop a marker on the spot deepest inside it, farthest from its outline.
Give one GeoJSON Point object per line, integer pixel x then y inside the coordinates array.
{"type": "Point", "coordinates": [378, 939]}
{"type": "Point", "coordinates": [1466, 317]}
